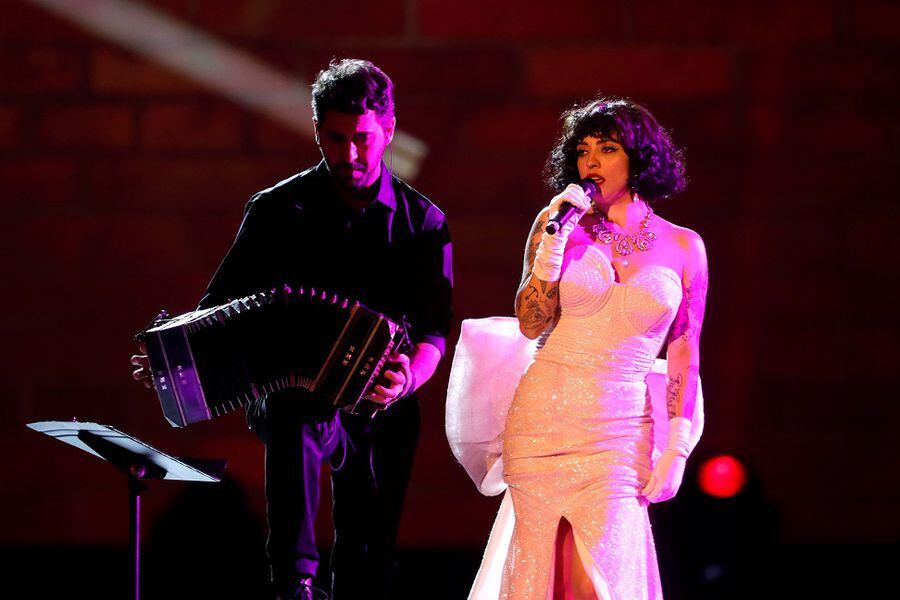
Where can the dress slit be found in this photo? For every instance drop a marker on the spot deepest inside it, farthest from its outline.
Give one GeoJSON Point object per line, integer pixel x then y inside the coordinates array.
{"type": "Point", "coordinates": [574, 573]}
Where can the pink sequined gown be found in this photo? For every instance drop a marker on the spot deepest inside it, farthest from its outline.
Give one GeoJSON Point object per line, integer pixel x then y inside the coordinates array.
{"type": "Point", "coordinates": [579, 437]}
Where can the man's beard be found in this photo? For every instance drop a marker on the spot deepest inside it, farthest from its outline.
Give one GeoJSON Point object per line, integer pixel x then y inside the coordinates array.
{"type": "Point", "coordinates": [352, 175]}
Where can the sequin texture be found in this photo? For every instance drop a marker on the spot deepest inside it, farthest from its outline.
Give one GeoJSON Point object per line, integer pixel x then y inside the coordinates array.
{"type": "Point", "coordinates": [579, 437]}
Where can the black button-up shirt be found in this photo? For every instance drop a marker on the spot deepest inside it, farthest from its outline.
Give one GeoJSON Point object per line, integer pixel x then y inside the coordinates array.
{"type": "Point", "coordinates": [394, 256]}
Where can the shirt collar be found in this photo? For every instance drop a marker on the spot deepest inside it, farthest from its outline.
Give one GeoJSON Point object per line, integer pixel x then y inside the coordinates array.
{"type": "Point", "coordinates": [386, 194]}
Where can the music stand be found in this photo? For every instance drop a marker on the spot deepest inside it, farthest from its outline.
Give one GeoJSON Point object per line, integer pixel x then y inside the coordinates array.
{"type": "Point", "coordinates": [138, 461]}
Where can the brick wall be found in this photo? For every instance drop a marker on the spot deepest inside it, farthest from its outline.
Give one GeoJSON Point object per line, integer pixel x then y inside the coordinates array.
{"type": "Point", "coordinates": [124, 184]}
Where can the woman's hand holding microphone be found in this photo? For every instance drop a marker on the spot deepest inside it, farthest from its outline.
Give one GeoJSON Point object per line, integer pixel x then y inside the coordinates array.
{"type": "Point", "coordinates": [549, 255]}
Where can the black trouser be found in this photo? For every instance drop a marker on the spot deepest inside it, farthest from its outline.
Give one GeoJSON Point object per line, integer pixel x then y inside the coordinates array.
{"type": "Point", "coordinates": [371, 463]}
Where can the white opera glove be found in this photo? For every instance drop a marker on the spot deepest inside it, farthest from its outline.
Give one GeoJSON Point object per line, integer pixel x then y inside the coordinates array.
{"type": "Point", "coordinates": [669, 469]}
{"type": "Point", "coordinates": [549, 256]}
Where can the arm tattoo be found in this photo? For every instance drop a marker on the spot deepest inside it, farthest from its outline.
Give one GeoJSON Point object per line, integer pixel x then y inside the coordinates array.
{"type": "Point", "coordinates": [681, 393]}
{"type": "Point", "coordinates": [689, 319]}
{"type": "Point", "coordinates": [530, 251]}
{"type": "Point", "coordinates": [537, 312]}
{"type": "Point", "coordinates": [533, 313]}
{"type": "Point", "coordinates": [536, 301]}
{"type": "Point", "coordinates": [673, 394]}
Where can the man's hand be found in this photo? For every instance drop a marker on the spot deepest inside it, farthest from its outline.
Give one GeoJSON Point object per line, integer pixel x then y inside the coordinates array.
{"type": "Point", "coordinates": [142, 373]}
{"type": "Point", "coordinates": [395, 381]}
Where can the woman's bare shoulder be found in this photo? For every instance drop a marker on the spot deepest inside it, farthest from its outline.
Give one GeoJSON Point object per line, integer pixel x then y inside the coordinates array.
{"type": "Point", "coordinates": [685, 242]}
{"type": "Point", "coordinates": [683, 237]}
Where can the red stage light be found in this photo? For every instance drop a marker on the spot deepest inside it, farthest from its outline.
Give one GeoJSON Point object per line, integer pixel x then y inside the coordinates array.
{"type": "Point", "coordinates": [722, 476]}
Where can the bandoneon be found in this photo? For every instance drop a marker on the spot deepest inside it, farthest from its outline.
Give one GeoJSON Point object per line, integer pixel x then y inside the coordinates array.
{"type": "Point", "coordinates": [208, 362]}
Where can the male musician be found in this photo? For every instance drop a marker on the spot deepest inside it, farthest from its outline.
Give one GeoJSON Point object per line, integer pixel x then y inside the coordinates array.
{"type": "Point", "coordinates": [350, 227]}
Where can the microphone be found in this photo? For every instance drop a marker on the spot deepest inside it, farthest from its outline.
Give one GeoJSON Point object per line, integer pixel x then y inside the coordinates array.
{"type": "Point", "coordinates": [566, 210]}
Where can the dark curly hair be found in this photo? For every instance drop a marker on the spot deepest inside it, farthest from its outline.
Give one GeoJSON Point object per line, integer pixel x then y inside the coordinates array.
{"type": "Point", "coordinates": [656, 166]}
{"type": "Point", "coordinates": [353, 86]}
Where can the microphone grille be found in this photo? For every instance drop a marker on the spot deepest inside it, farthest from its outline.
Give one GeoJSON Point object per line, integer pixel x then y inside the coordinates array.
{"type": "Point", "coordinates": [589, 186]}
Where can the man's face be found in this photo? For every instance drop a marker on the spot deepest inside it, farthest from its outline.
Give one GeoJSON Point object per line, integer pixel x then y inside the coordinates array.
{"type": "Point", "coordinates": [352, 146]}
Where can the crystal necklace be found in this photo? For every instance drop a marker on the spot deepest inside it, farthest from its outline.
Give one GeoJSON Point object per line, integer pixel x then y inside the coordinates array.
{"type": "Point", "coordinates": [624, 243]}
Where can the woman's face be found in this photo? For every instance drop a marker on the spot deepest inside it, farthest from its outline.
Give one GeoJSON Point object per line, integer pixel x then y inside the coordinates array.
{"type": "Point", "coordinates": [604, 160]}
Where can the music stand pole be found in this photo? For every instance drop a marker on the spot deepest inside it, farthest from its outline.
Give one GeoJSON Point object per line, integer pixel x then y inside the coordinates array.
{"type": "Point", "coordinates": [135, 488]}
{"type": "Point", "coordinates": [139, 462]}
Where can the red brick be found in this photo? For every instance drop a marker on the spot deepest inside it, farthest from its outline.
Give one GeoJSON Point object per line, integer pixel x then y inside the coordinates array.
{"type": "Point", "coordinates": [857, 259]}
{"type": "Point", "coordinates": [790, 359]}
{"type": "Point", "coordinates": [704, 128]}
{"type": "Point", "coordinates": [790, 168]}
{"type": "Point", "coordinates": [289, 21]}
{"type": "Point", "coordinates": [26, 22]}
{"type": "Point", "coordinates": [877, 363]}
{"type": "Point", "coordinates": [10, 127]}
{"type": "Point", "coordinates": [117, 72]}
{"type": "Point", "coordinates": [142, 238]}
{"type": "Point", "coordinates": [710, 194]}
{"type": "Point", "coordinates": [213, 235]}
{"type": "Point", "coordinates": [876, 19]}
{"type": "Point", "coordinates": [766, 124]}
{"type": "Point", "coordinates": [817, 127]}
{"type": "Point", "coordinates": [470, 182]}
{"type": "Point", "coordinates": [44, 248]}
{"type": "Point", "coordinates": [245, 456]}
{"type": "Point", "coordinates": [836, 70]}
{"type": "Point", "coordinates": [95, 243]}
{"type": "Point", "coordinates": [40, 70]}
{"type": "Point", "coordinates": [505, 241]}
{"type": "Point", "coordinates": [440, 487]}
{"type": "Point", "coordinates": [768, 21]}
{"type": "Point", "coordinates": [641, 71]}
{"type": "Point", "coordinates": [95, 126]}
{"type": "Point", "coordinates": [270, 136]}
{"type": "Point", "coordinates": [46, 331]}
{"type": "Point", "coordinates": [153, 283]}
{"type": "Point", "coordinates": [83, 271]}
{"type": "Point", "coordinates": [512, 127]}
{"type": "Point", "coordinates": [479, 291]}
{"type": "Point", "coordinates": [284, 56]}
{"type": "Point", "coordinates": [213, 187]}
{"type": "Point", "coordinates": [826, 309]}
{"type": "Point", "coordinates": [459, 72]}
{"type": "Point", "coordinates": [526, 21]}
{"type": "Point", "coordinates": [190, 126]}
{"type": "Point", "coordinates": [42, 504]}
{"type": "Point", "coordinates": [766, 73]}
{"type": "Point", "coordinates": [436, 120]}
{"type": "Point", "coordinates": [38, 184]}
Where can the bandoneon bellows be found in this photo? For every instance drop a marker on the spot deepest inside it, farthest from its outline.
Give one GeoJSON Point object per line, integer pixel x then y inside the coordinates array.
{"type": "Point", "coordinates": [208, 362]}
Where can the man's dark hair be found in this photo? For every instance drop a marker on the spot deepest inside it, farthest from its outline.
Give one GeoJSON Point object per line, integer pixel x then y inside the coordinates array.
{"type": "Point", "coordinates": [656, 166]}
{"type": "Point", "coordinates": [353, 86]}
